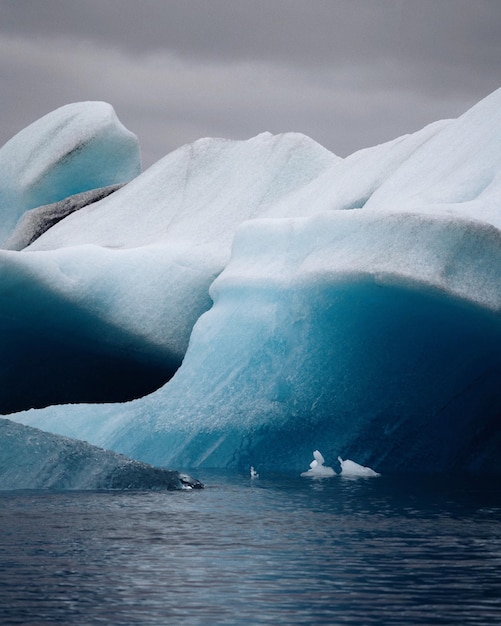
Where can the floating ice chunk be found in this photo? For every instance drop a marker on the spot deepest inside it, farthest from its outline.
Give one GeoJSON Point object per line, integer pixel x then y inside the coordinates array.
{"type": "Point", "coordinates": [253, 473]}
{"type": "Point", "coordinates": [350, 468]}
{"type": "Point", "coordinates": [318, 459]}
{"type": "Point", "coordinates": [317, 467]}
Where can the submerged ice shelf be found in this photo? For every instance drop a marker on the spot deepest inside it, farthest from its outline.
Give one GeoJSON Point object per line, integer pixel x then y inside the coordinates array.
{"type": "Point", "coordinates": [32, 459]}
{"type": "Point", "coordinates": [360, 305]}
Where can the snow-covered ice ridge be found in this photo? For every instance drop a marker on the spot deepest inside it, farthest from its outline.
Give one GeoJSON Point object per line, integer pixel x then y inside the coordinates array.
{"type": "Point", "coordinates": [352, 301]}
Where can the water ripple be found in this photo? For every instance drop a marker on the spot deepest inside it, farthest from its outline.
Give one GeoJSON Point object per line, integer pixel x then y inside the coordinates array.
{"type": "Point", "coordinates": [278, 550]}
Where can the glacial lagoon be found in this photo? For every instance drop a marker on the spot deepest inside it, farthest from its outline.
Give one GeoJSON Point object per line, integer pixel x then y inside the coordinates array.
{"type": "Point", "coordinates": [277, 549]}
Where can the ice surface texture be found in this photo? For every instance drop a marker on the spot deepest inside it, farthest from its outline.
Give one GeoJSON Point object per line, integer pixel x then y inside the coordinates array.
{"type": "Point", "coordinates": [78, 147]}
{"type": "Point", "coordinates": [360, 308]}
{"type": "Point", "coordinates": [32, 459]}
{"type": "Point", "coordinates": [35, 222]}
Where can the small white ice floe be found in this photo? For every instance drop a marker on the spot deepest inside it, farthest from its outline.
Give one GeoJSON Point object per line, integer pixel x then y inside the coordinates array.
{"type": "Point", "coordinates": [350, 469]}
{"type": "Point", "coordinates": [253, 473]}
{"type": "Point", "coordinates": [317, 467]}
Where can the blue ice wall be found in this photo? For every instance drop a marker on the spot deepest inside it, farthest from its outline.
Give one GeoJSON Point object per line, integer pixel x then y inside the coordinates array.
{"type": "Point", "coordinates": [400, 379]}
{"type": "Point", "coordinates": [307, 348]}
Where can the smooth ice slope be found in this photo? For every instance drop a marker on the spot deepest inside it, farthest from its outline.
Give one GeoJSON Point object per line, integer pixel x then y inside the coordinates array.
{"type": "Point", "coordinates": [375, 330]}
{"type": "Point", "coordinates": [78, 147]}
{"type": "Point", "coordinates": [65, 329]}
{"type": "Point", "coordinates": [198, 195]}
{"type": "Point", "coordinates": [33, 459]}
{"type": "Point", "coordinates": [457, 172]}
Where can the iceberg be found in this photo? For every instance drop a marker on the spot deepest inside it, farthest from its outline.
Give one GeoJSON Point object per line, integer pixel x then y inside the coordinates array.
{"type": "Point", "coordinates": [32, 459]}
{"type": "Point", "coordinates": [296, 297]}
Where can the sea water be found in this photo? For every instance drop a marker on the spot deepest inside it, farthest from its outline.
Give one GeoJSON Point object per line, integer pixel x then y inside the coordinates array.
{"type": "Point", "coordinates": [277, 549]}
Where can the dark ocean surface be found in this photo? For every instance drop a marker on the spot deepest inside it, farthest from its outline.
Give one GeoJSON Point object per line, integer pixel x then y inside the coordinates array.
{"type": "Point", "coordinates": [274, 550]}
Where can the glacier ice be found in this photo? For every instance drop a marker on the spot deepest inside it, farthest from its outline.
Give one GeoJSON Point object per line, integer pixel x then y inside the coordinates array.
{"type": "Point", "coordinates": [56, 348]}
{"type": "Point", "coordinates": [360, 305]}
{"type": "Point", "coordinates": [78, 147]}
{"type": "Point", "coordinates": [33, 459]}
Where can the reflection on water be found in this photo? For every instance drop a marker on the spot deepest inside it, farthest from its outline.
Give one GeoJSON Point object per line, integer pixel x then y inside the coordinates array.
{"type": "Point", "coordinates": [278, 549]}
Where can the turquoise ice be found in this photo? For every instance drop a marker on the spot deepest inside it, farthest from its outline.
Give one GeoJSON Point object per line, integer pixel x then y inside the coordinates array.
{"type": "Point", "coordinates": [352, 304]}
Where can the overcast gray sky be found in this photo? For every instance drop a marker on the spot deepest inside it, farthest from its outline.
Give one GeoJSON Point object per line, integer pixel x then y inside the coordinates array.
{"type": "Point", "coordinates": [349, 73]}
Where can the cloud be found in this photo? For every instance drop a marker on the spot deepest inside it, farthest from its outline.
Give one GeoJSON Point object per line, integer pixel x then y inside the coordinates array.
{"type": "Point", "coordinates": [349, 74]}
